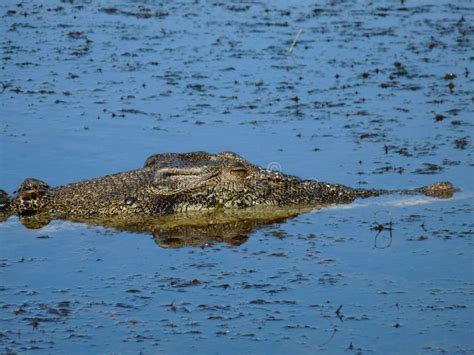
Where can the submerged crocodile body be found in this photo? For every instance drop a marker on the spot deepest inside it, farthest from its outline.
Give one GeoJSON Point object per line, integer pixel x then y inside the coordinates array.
{"type": "Point", "coordinates": [176, 183]}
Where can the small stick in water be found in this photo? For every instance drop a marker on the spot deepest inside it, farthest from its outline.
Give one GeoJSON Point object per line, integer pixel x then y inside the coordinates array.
{"type": "Point", "coordinates": [294, 42]}
{"type": "Point", "coordinates": [338, 313]}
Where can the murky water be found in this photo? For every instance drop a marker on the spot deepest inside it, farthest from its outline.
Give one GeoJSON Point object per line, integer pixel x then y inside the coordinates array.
{"type": "Point", "coordinates": [373, 94]}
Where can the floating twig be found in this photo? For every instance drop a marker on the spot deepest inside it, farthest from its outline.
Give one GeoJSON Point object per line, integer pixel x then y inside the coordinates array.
{"type": "Point", "coordinates": [381, 227]}
{"type": "Point", "coordinates": [290, 50]}
{"type": "Point", "coordinates": [330, 338]}
{"type": "Point", "coordinates": [338, 312]}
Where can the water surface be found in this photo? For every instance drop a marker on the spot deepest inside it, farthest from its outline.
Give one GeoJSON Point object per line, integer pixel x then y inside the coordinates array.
{"type": "Point", "coordinates": [373, 94]}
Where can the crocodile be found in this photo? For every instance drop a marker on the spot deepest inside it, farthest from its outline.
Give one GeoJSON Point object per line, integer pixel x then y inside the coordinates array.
{"type": "Point", "coordinates": [182, 183]}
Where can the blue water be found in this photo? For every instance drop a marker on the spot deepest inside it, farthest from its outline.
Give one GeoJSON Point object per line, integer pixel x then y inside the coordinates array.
{"type": "Point", "coordinates": [89, 91]}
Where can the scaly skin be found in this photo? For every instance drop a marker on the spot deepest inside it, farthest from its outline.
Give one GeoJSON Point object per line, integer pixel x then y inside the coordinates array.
{"type": "Point", "coordinates": [176, 183]}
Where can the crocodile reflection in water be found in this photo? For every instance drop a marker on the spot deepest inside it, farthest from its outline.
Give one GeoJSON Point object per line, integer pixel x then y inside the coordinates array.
{"type": "Point", "coordinates": [195, 229]}
{"type": "Point", "coordinates": [181, 183]}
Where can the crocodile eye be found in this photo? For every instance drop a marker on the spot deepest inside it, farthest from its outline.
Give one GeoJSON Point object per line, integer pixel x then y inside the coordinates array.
{"type": "Point", "coordinates": [129, 201]}
{"type": "Point", "coordinates": [239, 170]}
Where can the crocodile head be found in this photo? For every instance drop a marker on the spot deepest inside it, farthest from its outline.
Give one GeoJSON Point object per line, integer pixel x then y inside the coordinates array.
{"type": "Point", "coordinates": [200, 181]}
{"type": "Point", "coordinates": [176, 183]}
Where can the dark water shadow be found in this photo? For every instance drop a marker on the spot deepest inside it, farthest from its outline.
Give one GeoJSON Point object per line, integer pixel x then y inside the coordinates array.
{"type": "Point", "coordinates": [186, 230]}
